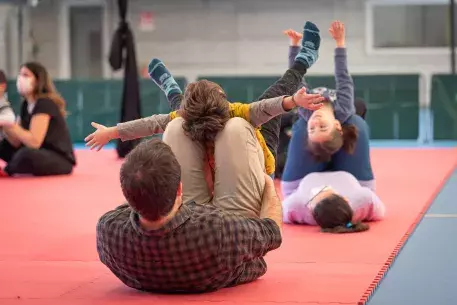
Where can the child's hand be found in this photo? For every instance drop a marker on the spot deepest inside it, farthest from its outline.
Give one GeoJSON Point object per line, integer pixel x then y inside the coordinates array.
{"type": "Point", "coordinates": [308, 101]}
{"type": "Point", "coordinates": [338, 33]}
{"type": "Point", "coordinates": [100, 137]}
{"type": "Point", "coordinates": [294, 37]}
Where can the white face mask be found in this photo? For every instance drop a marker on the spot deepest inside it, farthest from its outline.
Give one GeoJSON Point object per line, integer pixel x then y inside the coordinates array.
{"type": "Point", "coordinates": [24, 85]}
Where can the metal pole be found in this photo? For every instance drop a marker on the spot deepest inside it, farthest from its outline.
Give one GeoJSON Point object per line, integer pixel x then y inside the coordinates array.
{"type": "Point", "coordinates": [453, 42]}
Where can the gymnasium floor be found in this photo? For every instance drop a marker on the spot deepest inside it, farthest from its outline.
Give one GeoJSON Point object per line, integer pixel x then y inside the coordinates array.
{"type": "Point", "coordinates": [424, 271]}
{"type": "Point", "coordinates": [48, 253]}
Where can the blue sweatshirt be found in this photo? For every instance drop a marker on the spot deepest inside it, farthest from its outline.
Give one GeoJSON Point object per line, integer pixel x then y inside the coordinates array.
{"type": "Point", "coordinates": [343, 96]}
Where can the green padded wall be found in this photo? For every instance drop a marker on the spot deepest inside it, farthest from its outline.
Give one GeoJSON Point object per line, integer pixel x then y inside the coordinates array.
{"type": "Point", "coordinates": [444, 107]}
{"type": "Point", "coordinates": [243, 89]}
{"type": "Point", "coordinates": [99, 101]}
{"type": "Point", "coordinates": [392, 100]}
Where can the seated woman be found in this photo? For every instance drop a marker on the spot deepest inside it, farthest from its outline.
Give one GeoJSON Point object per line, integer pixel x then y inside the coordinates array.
{"type": "Point", "coordinates": [333, 137]}
{"type": "Point", "coordinates": [335, 201]}
{"type": "Point", "coordinates": [39, 143]}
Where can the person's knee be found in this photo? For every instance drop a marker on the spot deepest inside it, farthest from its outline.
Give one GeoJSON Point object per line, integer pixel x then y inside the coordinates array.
{"type": "Point", "coordinates": [237, 125]}
{"type": "Point", "coordinates": [25, 154]}
{"type": "Point", "coordinates": [67, 169]}
{"type": "Point", "coordinates": [22, 159]}
{"type": "Point", "coordinates": [175, 125]}
{"type": "Point", "coordinates": [173, 130]}
{"type": "Point", "coordinates": [237, 131]}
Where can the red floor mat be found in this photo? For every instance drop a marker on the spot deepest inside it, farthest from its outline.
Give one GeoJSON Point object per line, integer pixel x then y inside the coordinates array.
{"type": "Point", "coordinates": [48, 253]}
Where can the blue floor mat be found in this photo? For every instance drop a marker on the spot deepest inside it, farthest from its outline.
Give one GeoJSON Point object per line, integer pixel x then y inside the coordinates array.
{"type": "Point", "coordinates": [424, 272]}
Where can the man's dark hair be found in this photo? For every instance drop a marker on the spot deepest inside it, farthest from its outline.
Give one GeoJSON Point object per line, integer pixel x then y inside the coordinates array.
{"type": "Point", "coordinates": [150, 178]}
{"type": "Point", "coordinates": [2, 77]}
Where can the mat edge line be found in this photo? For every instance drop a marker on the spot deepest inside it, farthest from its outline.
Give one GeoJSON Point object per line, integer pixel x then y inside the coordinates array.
{"type": "Point", "coordinates": [366, 296]}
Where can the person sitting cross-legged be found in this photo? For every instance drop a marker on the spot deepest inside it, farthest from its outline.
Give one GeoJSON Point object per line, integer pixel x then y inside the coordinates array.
{"type": "Point", "coordinates": [158, 243]}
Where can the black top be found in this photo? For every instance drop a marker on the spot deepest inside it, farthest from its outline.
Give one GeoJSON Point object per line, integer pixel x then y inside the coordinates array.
{"type": "Point", "coordinates": [57, 137]}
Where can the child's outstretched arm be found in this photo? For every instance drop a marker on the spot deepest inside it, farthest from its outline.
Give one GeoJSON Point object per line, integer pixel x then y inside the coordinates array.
{"type": "Point", "coordinates": [344, 82]}
{"type": "Point", "coordinates": [140, 128]}
{"type": "Point", "coordinates": [258, 113]}
{"type": "Point", "coordinates": [295, 46]}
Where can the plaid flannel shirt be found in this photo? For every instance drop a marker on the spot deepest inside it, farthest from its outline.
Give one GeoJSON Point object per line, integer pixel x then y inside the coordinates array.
{"type": "Point", "coordinates": [201, 249]}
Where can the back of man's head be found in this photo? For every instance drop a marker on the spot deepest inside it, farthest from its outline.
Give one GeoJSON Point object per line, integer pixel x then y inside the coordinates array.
{"type": "Point", "coordinates": [150, 179]}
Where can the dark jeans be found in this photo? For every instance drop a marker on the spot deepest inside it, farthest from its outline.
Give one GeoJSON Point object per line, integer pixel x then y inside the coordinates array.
{"type": "Point", "coordinates": [36, 162]}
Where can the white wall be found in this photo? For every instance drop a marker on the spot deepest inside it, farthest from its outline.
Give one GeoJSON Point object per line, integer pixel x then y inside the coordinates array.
{"type": "Point", "coordinates": [8, 15]}
{"type": "Point", "coordinates": [3, 35]}
{"type": "Point", "coordinates": [233, 37]}
{"type": "Point", "coordinates": [44, 23]}
{"type": "Point", "coordinates": [244, 37]}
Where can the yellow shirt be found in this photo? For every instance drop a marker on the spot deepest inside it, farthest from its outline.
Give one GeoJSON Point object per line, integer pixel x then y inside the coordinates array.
{"type": "Point", "coordinates": [241, 110]}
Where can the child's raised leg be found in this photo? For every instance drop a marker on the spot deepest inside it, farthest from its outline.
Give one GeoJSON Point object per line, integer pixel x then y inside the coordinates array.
{"type": "Point", "coordinates": [291, 81]}
{"type": "Point", "coordinates": [166, 82]}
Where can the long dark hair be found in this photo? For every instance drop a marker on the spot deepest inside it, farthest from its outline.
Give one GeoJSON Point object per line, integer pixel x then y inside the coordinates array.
{"type": "Point", "coordinates": [334, 215]}
{"type": "Point", "coordinates": [44, 87]}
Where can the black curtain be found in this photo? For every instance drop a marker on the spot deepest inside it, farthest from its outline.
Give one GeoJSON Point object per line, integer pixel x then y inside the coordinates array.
{"type": "Point", "coordinates": [123, 54]}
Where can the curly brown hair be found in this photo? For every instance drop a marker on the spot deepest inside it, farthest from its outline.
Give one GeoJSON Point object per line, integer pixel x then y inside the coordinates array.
{"type": "Point", "coordinates": [205, 110]}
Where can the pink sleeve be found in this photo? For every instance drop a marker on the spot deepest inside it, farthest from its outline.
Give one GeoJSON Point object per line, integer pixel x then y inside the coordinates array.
{"type": "Point", "coordinates": [378, 209]}
{"type": "Point", "coordinates": [368, 206]}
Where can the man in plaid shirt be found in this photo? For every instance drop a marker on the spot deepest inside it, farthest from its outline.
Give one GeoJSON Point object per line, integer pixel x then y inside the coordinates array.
{"type": "Point", "coordinates": [157, 243]}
